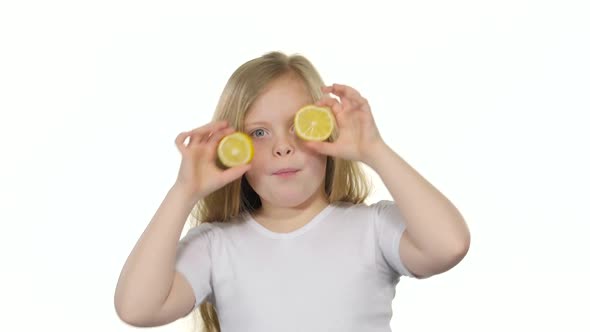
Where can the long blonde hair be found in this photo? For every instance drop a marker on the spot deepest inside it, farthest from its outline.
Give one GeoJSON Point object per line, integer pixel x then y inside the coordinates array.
{"type": "Point", "coordinates": [345, 180]}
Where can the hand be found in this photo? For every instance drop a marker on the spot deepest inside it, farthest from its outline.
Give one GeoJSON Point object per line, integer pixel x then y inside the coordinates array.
{"type": "Point", "coordinates": [199, 174]}
{"type": "Point", "coordinates": [358, 134]}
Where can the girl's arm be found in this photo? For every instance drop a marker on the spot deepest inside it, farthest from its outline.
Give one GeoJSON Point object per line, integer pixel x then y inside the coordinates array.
{"type": "Point", "coordinates": [150, 292]}
{"type": "Point", "coordinates": [147, 278]}
{"type": "Point", "coordinates": [436, 236]}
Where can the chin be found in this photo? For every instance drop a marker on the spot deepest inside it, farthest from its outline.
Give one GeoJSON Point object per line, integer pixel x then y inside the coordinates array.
{"type": "Point", "coordinates": [287, 197]}
{"type": "Point", "coordinates": [287, 194]}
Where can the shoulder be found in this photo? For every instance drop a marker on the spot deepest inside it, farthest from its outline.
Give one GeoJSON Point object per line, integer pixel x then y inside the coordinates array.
{"type": "Point", "coordinates": [374, 209]}
{"type": "Point", "coordinates": [386, 207]}
{"type": "Point", "coordinates": [354, 215]}
{"type": "Point", "coordinates": [376, 213]}
{"type": "Point", "coordinates": [215, 229]}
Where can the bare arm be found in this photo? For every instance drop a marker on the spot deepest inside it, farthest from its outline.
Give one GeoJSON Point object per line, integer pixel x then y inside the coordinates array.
{"type": "Point", "coordinates": [150, 292]}
{"type": "Point", "coordinates": [437, 237]}
{"type": "Point", "coordinates": [147, 277]}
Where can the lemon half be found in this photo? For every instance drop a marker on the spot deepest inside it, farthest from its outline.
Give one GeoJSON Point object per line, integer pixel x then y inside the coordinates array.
{"type": "Point", "coordinates": [314, 123]}
{"type": "Point", "coordinates": [235, 149]}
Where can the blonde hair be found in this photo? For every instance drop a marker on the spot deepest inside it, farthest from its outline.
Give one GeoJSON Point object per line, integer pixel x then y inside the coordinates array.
{"type": "Point", "coordinates": [344, 180]}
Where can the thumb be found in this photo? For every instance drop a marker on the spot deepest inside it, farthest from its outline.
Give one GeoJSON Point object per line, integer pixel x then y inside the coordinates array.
{"type": "Point", "coordinates": [326, 148]}
{"type": "Point", "coordinates": [234, 173]}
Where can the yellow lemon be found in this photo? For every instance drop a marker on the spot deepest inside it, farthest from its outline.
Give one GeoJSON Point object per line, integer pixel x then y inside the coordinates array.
{"type": "Point", "coordinates": [314, 123]}
{"type": "Point", "coordinates": [235, 149]}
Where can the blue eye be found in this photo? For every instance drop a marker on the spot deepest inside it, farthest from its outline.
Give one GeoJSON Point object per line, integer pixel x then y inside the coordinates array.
{"type": "Point", "coordinates": [257, 132]}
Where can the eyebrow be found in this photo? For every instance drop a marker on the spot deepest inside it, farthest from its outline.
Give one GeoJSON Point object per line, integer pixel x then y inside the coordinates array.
{"type": "Point", "coordinates": [255, 123]}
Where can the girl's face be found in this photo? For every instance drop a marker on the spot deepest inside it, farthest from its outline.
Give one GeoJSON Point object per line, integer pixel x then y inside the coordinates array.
{"type": "Point", "coordinates": [284, 173]}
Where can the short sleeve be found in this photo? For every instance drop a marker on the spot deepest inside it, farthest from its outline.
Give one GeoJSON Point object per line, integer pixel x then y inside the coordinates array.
{"type": "Point", "coordinates": [193, 260]}
{"type": "Point", "coordinates": [389, 227]}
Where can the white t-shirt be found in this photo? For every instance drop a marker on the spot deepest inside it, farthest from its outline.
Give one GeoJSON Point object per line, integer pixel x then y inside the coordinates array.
{"type": "Point", "coordinates": [336, 273]}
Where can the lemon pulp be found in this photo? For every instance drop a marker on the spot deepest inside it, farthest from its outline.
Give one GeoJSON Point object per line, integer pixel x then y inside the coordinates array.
{"type": "Point", "coordinates": [314, 123]}
{"type": "Point", "coordinates": [235, 149]}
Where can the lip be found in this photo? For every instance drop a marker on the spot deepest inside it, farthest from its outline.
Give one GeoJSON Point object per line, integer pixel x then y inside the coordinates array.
{"type": "Point", "coordinates": [286, 171]}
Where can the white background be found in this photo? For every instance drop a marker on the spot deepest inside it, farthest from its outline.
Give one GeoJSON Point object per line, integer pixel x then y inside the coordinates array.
{"type": "Point", "coordinates": [487, 100]}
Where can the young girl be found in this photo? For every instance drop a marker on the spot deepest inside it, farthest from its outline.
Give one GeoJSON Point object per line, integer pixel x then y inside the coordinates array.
{"type": "Point", "coordinates": [286, 243]}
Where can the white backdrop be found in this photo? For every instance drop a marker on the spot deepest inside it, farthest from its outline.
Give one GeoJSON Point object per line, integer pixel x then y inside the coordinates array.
{"type": "Point", "coordinates": [486, 100]}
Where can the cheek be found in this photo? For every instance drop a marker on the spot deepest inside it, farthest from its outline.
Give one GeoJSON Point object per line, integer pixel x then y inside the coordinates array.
{"type": "Point", "coordinates": [260, 150]}
{"type": "Point", "coordinates": [252, 178]}
{"type": "Point", "coordinates": [318, 163]}
{"type": "Point", "coordinates": [262, 156]}
{"type": "Point", "coordinates": [257, 170]}
{"type": "Point", "coordinates": [258, 163]}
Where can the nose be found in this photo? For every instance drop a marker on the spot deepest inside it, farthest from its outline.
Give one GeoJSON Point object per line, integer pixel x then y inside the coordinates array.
{"type": "Point", "coordinates": [284, 142]}
{"type": "Point", "coordinates": [283, 149]}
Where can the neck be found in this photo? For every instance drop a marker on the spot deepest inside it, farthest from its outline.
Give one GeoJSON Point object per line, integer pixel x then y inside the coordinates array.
{"type": "Point", "coordinates": [286, 219]}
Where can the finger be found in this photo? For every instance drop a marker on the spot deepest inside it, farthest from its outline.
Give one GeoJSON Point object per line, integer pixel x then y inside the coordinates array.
{"type": "Point", "coordinates": [351, 98]}
{"type": "Point", "coordinates": [326, 148]}
{"type": "Point", "coordinates": [215, 134]}
{"type": "Point", "coordinates": [333, 103]}
{"type": "Point", "coordinates": [198, 134]}
{"type": "Point", "coordinates": [364, 106]}
{"type": "Point", "coordinates": [179, 141]}
{"type": "Point", "coordinates": [346, 91]}
{"type": "Point", "coordinates": [234, 173]}
{"type": "Point", "coordinates": [194, 135]}
{"type": "Point", "coordinates": [211, 126]}
{"type": "Point", "coordinates": [337, 90]}
{"type": "Point", "coordinates": [327, 90]}
{"type": "Point", "coordinates": [215, 138]}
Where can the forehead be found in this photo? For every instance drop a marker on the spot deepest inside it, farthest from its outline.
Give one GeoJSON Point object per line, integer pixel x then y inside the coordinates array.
{"type": "Point", "coordinates": [282, 98]}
